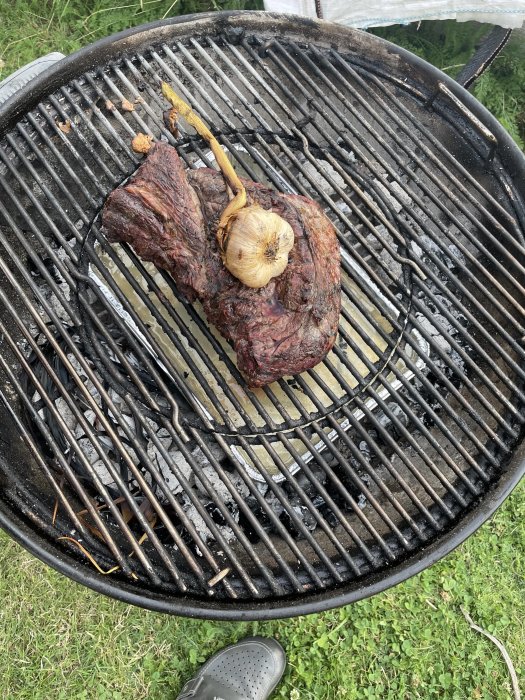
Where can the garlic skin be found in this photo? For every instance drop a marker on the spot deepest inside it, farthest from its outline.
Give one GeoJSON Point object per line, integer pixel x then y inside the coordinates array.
{"type": "Point", "coordinates": [256, 245]}
{"type": "Point", "coordinates": [253, 241]}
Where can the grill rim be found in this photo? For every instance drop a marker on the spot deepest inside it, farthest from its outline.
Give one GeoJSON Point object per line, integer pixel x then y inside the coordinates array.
{"type": "Point", "coordinates": [116, 45]}
{"type": "Point", "coordinates": [97, 54]}
{"type": "Point", "coordinates": [270, 609]}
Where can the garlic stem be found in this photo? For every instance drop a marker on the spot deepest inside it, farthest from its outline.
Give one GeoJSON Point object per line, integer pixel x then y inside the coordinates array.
{"type": "Point", "coordinates": [239, 200]}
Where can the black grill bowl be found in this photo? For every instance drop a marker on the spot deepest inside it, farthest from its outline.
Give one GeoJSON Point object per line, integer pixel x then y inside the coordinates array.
{"type": "Point", "coordinates": [129, 442]}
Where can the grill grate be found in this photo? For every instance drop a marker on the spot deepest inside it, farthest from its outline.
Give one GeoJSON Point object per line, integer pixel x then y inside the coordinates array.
{"type": "Point", "coordinates": [146, 448]}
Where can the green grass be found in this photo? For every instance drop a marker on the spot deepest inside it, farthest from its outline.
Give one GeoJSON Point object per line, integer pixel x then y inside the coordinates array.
{"type": "Point", "coordinates": [31, 28]}
{"type": "Point", "coordinates": [60, 640]}
{"type": "Point", "coordinates": [449, 45]}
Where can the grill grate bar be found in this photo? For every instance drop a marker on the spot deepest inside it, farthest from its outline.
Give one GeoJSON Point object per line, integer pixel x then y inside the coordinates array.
{"type": "Point", "coordinates": [422, 427]}
{"type": "Point", "coordinates": [425, 484]}
{"type": "Point", "coordinates": [232, 557]}
{"type": "Point", "coordinates": [359, 483]}
{"type": "Point", "coordinates": [101, 417]}
{"type": "Point", "coordinates": [66, 467]}
{"type": "Point", "coordinates": [426, 136]}
{"type": "Point", "coordinates": [99, 94]}
{"type": "Point", "coordinates": [413, 156]}
{"type": "Point", "coordinates": [165, 327]}
{"type": "Point", "coordinates": [361, 404]}
{"type": "Point", "coordinates": [479, 349]}
{"type": "Point", "coordinates": [444, 270]}
{"type": "Point", "coordinates": [80, 455]}
{"type": "Point", "coordinates": [61, 498]}
{"type": "Point", "coordinates": [283, 386]}
{"type": "Point", "coordinates": [409, 339]}
{"type": "Point", "coordinates": [69, 173]}
{"type": "Point", "coordinates": [410, 192]}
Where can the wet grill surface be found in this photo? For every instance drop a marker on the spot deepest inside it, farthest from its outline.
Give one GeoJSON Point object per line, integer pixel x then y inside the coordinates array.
{"type": "Point", "coordinates": [142, 443]}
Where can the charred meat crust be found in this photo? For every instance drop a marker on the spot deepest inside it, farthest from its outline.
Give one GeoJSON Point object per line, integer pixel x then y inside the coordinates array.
{"type": "Point", "coordinates": [169, 215]}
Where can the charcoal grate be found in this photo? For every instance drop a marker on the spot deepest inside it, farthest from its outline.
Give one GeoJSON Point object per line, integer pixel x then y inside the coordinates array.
{"type": "Point", "coordinates": [141, 444]}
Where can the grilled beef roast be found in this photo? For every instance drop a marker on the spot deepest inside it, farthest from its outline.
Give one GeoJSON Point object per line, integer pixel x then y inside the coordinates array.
{"type": "Point", "coordinates": [169, 215]}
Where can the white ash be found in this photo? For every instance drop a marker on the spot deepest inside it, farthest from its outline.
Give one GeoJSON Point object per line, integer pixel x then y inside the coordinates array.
{"type": "Point", "coordinates": [200, 525]}
{"type": "Point", "coordinates": [456, 252]}
{"type": "Point", "coordinates": [261, 487]}
{"type": "Point", "coordinates": [176, 459]}
{"type": "Point", "coordinates": [398, 412]}
{"type": "Point", "coordinates": [219, 488]}
{"type": "Point", "coordinates": [387, 260]}
{"type": "Point", "coordinates": [66, 413]}
{"type": "Point", "coordinates": [364, 447]}
{"type": "Point", "coordinates": [437, 336]}
{"type": "Point", "coordinates": [322, 174]}
{"type": "Point", "coordinates": [274, 503]}
{"type": "Point", "coordinates": [96, 462]}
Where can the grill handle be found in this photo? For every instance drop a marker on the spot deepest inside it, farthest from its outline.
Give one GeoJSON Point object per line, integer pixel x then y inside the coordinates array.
{"type": "Point", "coordinates": [24, 75]}
{"type": "Point", "coordinates": [491, 46]}
{"type": "Point", "coordinates": [480, 61]}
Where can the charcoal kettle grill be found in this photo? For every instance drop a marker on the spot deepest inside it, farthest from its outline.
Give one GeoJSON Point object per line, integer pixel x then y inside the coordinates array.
{"type": "Point", "coordinates": [133, 457]}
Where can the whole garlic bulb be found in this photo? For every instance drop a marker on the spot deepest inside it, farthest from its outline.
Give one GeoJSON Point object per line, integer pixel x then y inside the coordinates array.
{"type": "Point", "coordinates": [256, 245]}
{"type": "Point", "coordinates": [253, 241]}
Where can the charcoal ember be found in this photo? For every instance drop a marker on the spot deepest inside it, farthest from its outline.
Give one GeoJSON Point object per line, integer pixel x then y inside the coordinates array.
{"type": "Point", "coordinates": [288, 523]}
{"type": "Point", "coordinates": [305, 517]}
{"type": "Point", "coordinates": [274, 503]}
{"type": "Point", "coordinates": [262, 488]}
{"type": "Point", "coordinates": [318, 501]}
{"type": "Point", "coordinates": [260, 515]}
{"type": "Point", "coordinates": [306, 484]}
{"type": "Point", "coordinates": [398, 412]}
{"type": "Point", "coordinates": [365, 449]}
{"type": "Point", "coordinates": [215, 513]}
{"type": "Point", "coordinates": [329, 515]}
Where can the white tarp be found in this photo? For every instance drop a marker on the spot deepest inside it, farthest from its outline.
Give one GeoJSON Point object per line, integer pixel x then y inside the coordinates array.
{"type": "Point", "coordinates": [374, 13]}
